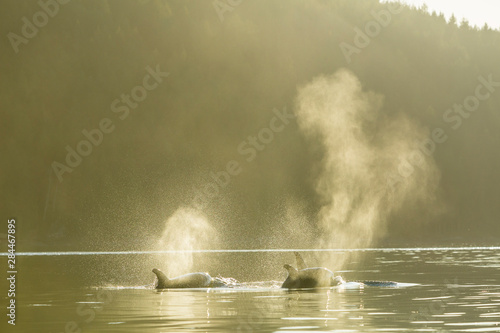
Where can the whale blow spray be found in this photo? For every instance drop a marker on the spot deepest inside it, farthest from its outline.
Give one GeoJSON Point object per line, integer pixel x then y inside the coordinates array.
{"type": "Point", "coordinates": [371, 164]}
{"type": "Point", "coordinates": [185, 230]}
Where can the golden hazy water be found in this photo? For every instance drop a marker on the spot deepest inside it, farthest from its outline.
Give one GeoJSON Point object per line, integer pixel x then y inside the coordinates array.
{"type": "Point", "coordinates": [448, 290]}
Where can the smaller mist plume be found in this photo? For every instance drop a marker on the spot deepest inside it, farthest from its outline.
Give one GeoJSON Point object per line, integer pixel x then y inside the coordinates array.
{"type": "Point", "coordinates": [186, 230]}
{"type": "Point", "coordinates": [360, 181]}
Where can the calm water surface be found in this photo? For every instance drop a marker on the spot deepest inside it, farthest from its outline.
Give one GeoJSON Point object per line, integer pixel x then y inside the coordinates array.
{"type": "Point", "coordinates": [448, 291]}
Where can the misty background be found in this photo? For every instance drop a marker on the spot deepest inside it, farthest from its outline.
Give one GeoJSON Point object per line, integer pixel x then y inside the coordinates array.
{"type": "Point", "coordinates": [228, 76]}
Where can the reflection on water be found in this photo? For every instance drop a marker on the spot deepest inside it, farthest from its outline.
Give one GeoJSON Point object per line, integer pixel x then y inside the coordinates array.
{"type": "Point", "coordinates": [455, 291]}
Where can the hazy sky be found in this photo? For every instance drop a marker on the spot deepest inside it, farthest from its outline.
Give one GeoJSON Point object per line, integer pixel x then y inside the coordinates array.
{"type": "Point", "coordinates": [477, 12]}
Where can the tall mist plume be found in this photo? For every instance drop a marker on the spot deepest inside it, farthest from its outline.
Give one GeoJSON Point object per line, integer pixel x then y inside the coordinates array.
{"type": "Point", "coordinates": [366, 173]}
{"type": "Point", "coordinates": [185, 230]}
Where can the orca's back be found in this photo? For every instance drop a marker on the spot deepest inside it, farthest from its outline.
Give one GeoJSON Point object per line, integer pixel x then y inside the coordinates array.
{"type": "Point", "coordinates": [380, 283]}
{"type": "Point", "coordinates": [193, 280]}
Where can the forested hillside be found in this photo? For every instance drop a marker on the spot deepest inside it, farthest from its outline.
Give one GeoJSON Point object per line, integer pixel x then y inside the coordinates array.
{"type": "Point", "coordinates": [230, 65]}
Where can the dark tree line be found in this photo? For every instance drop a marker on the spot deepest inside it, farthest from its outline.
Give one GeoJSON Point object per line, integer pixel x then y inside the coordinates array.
{"type": "Point", "coordinates": [225, 79]}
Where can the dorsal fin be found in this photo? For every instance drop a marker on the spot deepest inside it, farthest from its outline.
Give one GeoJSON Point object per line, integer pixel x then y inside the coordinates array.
{"type": "Point", "coordinates": [292, 271]}
{"type": "Point", "coordinates": [162, 279]}
{"type": "Point", "coordinates": [300, 262]}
